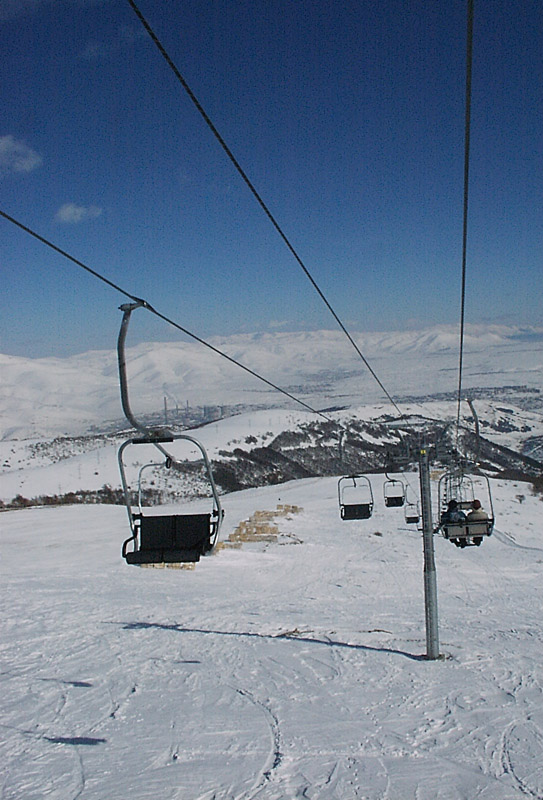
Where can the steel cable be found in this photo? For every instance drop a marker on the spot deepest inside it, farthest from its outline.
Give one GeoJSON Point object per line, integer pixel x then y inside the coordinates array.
{"type": "Point", "coordinates": [467, 129]}
{"type": "Point", "coordinates": [257, 196]}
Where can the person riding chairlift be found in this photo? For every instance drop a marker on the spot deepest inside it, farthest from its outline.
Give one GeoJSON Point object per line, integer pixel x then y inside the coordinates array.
{"type": "Point", "coordinates": [453, 514]}
{"type": "Point", "coordinates": [477, 514]}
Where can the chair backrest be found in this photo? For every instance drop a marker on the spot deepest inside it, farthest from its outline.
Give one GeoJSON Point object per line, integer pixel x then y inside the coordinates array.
{"type": "Point", "coordinates": [394, 501]}
{"type": "Point", "coordinates": [462, 530]}
{"type": "Point", "coordinates": [176, 532]}
{"type": "Point", "coordinates": [478, 528]}
{"type": "Point", "coordinates": [356, 511]}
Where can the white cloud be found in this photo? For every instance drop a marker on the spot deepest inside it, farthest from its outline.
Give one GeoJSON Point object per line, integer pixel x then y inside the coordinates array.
{"type": "Point", "coordinates": [72, 214]}
{"type": "Point", "coordinates": [278, 323]}
{"type": "Point", "coordinates": [16, 156]}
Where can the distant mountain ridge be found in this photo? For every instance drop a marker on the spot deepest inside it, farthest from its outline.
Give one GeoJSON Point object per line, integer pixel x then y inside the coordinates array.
{"type": "Point", "coordinates": [69, 396]}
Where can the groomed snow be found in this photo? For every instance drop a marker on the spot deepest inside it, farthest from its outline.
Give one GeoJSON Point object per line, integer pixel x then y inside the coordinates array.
{"type": "Point", "coordinates": [286, 669]}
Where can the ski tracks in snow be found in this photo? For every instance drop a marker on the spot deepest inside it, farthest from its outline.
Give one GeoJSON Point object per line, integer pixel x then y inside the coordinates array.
{"type": "Point", "coordinates": [289, 673]}
{"type": "Point", "coordinates": [520, 757]}
{"type": "Point", "coordinates": [275, 757]}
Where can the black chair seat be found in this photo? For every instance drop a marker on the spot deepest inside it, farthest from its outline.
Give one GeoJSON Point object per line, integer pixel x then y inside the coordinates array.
{"type": "Point", "coordinates": [393, 502]}
{"type": "Point", "coordinates": [170, 539]}
{"type": "Point", "coordinates": [162, 556]}
{"type": "Point", "coordinates": [356, 511]}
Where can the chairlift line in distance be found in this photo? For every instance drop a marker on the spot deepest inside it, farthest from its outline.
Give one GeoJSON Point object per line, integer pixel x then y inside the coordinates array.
{"type": "Point", "coordinates": [355, 497]}
{"type": "Point", "coordinates": [158, 538]}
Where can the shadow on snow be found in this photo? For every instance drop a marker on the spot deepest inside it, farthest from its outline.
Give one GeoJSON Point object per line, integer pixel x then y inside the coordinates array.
{"type": "Point", "coordinates": [289, 636]}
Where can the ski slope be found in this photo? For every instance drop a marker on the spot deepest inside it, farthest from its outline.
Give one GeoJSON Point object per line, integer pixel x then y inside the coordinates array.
{"type": "Point", "coordinates": [289, 667]}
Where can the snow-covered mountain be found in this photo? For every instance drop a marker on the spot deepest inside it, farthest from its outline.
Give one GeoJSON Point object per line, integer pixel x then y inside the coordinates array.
{"type": "Point", "coordinates": [71, 396]}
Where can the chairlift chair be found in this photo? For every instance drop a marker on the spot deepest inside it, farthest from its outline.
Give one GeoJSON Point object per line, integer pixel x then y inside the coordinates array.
{"type": "Point", "coordinates": [411, 508]}
{"type": "Point", "coordinates": [412, 513]}
{"type": "Point", "coordinates": [464, 488]}
{"type": "Point", "coordinates": [394, 493]}
{"type": "Point", "coordinates": [156, 537]}
{"type": "Point", "coordinates": [355, 497]}
{"type": "Point", "coordinates": [160, 537]}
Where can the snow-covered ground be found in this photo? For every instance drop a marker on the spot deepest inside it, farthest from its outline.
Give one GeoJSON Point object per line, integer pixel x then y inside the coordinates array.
{"type": "Point", "coordinates": [283, 669]}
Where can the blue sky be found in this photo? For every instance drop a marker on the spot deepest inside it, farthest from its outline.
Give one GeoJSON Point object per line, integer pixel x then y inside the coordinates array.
{"type": "Point", "coordinates": [347, 117]}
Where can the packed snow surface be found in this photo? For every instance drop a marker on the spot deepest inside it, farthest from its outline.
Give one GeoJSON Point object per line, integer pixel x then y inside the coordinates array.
{"type": "Point", "coordinates": [291, 667]}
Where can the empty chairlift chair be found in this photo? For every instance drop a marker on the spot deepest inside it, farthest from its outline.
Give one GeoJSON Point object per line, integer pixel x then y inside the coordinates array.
{"type": "Point", "coordinates": [165, 537]}
{"type": "Point", "coordinates": [411, 507]}
{"type": "Point", "coordinates": [412, 513]}
{"type": "Point", "coordinates": [355, 497]}
{"type": "Point", "coordinates": [161, 537]}
{"type": "Point", "coordinates": [394, 493]}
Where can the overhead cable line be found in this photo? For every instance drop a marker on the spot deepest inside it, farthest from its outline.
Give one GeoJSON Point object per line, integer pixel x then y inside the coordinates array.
{"type": "Point", "coordinates": [257, 196]}
{"type": "Point", "coordinates": [158, 314]}
{"type": "Point", "coordinates": [164, 318]}
{"type": "Point", "coordinates": [467, 129]}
